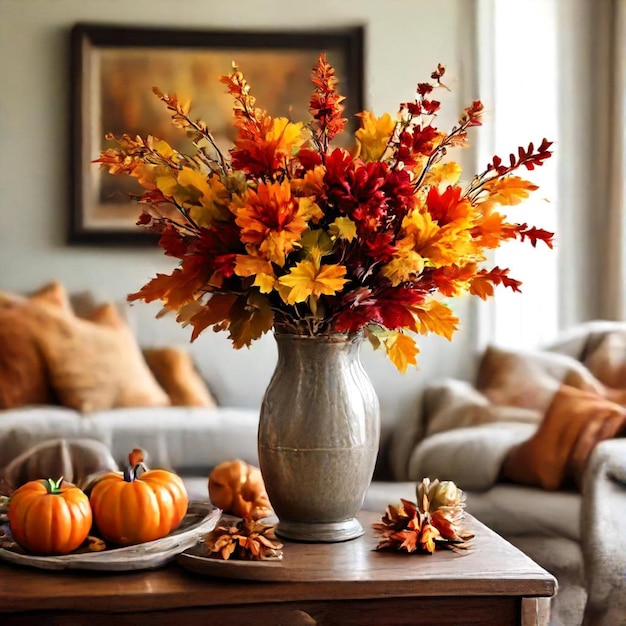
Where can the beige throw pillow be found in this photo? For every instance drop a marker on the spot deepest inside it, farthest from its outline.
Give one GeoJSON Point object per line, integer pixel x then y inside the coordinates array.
{"type": "Point", "coordinates": [95, 367]}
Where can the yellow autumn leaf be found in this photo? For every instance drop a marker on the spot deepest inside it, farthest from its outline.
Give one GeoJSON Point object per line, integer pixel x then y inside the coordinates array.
{"type": "Point", "coordinates": [420, 226]}
{"type": "Point", "coordinates": [401, 350]}
{"type": "Point", "coordinates": [262, 270]}
{"type": "Point", "coordinates": [316, 244]}
{"type": "Point", "coordinates": [214, 203]}
{"type": "Point", "coordinates": [309, 210]}
{"type": "Point", "coordinates": [162, 147]}
{"type": "Point", "coordinates": [289, 136]}
{"type": "Point", "coordinates": [307, 279]}
{"type": "Point", "coordinates": [373, 136]}
{"type": "Point", "coordinates": [406, 265]}
{"type": "Point", "coordinates": [166, 181]}
{"type": "Point", "coordinates": [343, 228]}
{"type": "Point", "coordinates": [193, 178]}
{"type": "Point", "coordinates": [435, 317]}
{"type": "Point", "coordinates": [451, 245]}
{"type": "Point", "coordinates": [265, 282]}
{"type": "Point", "coordinates": [448, 173]}
{"type": "Point", "coordinates": [146, 175]}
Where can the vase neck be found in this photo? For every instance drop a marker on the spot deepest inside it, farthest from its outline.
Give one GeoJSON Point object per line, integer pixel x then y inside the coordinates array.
{"type": "Point", "coordinates": [312, 348]}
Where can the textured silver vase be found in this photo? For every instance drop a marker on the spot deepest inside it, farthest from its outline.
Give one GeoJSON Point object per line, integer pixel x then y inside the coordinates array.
{"type": "Point", "coordinates": [318, 437]}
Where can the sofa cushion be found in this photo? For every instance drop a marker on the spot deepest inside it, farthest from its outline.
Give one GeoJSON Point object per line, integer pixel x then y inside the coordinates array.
{"type": "Point", "coordinates": [607, 362]}
{"type": "Point", "coordinates": [513, 510]}
{"type": "Point", "coordinates": [472, 457]}
{"type": "Point", "coordinates": [185, 439]}
{"type": "Point", "coordinates": [175, 371]}
{"type": "Point", "coordinates": [22, 428]}
{"type": "Point", "coordinates": [181, 438]}
{"type": "Point", "coordinates": [530, 379]}
{"type": "Point", "coordinates": [94, 364]}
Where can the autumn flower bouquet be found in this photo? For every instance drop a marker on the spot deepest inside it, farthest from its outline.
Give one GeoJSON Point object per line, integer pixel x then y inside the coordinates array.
{"type": "Point", "coordinates": [288, 233]}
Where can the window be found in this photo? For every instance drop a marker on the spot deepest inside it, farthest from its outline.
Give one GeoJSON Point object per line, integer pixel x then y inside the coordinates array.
{"type": "Point", "coordinates": [517, 58]}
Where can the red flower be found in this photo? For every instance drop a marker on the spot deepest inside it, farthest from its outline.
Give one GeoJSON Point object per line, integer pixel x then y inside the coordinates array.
{"type": "Point", "coordinates": [388, 306]}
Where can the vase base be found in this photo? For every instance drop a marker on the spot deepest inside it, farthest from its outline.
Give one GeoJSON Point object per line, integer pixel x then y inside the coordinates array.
{"type": "Point", "coordinates": [319, 532]}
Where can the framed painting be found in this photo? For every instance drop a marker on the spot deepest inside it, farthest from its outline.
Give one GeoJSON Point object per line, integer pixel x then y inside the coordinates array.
{"type": "Point", "coordinates": [113, 71]}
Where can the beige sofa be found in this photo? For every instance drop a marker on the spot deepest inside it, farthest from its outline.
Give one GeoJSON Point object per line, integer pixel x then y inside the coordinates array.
{"type": "Point", "coordinates": [579, 538]}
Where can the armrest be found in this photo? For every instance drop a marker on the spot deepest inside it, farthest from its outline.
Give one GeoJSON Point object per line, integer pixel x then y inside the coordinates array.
{"type": "Point", "coordinates": [445, 404]}
{"type": "Point", "coordinates": [471, 457]}
{"type": "Point", "coordinates": [603, 532]}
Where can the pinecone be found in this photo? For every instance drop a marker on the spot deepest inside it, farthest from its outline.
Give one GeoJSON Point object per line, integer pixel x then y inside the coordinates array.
{"type": "Point", "coordinates": [434, 521]}
{"type": "Point", "coordinates": [443, 503]}
{"type": "Point", "coordinates": [404, 528]}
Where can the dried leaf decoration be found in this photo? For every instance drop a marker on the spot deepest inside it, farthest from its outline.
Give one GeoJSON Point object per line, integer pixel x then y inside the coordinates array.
{"type": "Point", "coordinates": [287, 232]}
{"type": "Point", "coordinates": [246, 540]}
{"type": "Point", "coordinates": [435, 521]}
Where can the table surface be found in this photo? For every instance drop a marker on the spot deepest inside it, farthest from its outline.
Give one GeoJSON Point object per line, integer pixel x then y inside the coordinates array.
{"type": "Point", "coordinates": [348, 570]}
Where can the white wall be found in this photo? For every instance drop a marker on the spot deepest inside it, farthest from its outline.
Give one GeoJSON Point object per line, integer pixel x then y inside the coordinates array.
{"type": "Point", "coordinates": [405, 40]}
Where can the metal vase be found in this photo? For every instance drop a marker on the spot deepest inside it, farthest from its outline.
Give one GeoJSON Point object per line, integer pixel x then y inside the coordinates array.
{"type": "Point", "coordinates": [318, 437]}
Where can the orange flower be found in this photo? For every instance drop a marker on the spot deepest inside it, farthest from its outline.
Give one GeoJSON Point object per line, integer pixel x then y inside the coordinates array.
{"type": "Point", "coordinates": [272, 220]}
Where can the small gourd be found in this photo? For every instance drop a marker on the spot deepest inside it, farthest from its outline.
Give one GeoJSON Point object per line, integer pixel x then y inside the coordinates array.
{"type": "Point", "coordinates": [139, 505]}
{"type": "Point", "coordinates": [49, 517]}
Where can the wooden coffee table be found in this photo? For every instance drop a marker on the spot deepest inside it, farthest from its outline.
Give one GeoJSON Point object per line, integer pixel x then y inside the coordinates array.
{"type": "Point", "coordinates": [339, 584]}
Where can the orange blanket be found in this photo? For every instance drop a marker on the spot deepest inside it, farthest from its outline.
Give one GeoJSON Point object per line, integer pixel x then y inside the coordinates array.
{"type": "Point", "coordinates": [556, 455]}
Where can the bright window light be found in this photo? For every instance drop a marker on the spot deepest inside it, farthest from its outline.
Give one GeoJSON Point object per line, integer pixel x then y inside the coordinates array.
{"type": "Point", "coordinates": [518, 69]}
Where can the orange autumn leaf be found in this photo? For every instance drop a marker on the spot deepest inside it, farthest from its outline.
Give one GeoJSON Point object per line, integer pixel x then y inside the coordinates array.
{"type": "Point", "coordinates": [175, 289]}
{"type": "Point", "coordinates": [427, 538]}
{"type": "Point", "coordinates": [435, 317]}
{"type": "Point", "coordinates": [482, 283]}
{"type": "Point", "coordinates": [215, 312]}
{"type": "Point", "coordinates": [507, 191]}
{"type": "Point", "coordinates": [492, 230]}
{"type": "Point", "coordinates": [402, 350]}
{"type": "Point", "coordinates": [250, 318]}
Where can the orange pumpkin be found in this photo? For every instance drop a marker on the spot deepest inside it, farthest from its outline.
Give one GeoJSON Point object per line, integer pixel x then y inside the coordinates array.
{"type": "Point", "coordinates": [138, 506]}
{"type": "Point", "coordinates": [49, 517]}
{"type": "Point", "coordinates": [237, 488]}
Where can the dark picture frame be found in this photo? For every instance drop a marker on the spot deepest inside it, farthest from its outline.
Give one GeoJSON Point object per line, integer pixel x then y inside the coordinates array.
{"type": "Point", "coordinates": [113, 70]}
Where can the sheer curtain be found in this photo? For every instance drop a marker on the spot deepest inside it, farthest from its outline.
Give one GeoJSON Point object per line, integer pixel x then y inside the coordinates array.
{"type": "Point", "coordinates": [614, 296]}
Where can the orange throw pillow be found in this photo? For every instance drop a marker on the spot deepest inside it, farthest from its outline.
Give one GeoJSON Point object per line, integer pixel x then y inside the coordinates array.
{"type": "Point", "coordinates": [176, 373]}
{"type": "Point", "coordinates": [24, 378]}
{"type": "Point", "coordinates": [556, 455]}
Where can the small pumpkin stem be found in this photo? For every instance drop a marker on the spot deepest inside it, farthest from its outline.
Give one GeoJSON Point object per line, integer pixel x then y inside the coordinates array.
{"type": "Point", "coordinates": [52, 486]}
{"type": "Point", "coordinates": [132, 472]}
